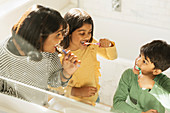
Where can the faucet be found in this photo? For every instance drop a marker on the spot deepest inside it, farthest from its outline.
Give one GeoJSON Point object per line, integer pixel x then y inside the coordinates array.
{"type": "Point", "coordinates": [116, 5]}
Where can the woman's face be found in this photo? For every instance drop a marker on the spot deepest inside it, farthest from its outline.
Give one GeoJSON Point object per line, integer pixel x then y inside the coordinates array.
{"type": "Point", "coordinates": [52, 40]}
{"type": "Point", "coordinates": [79, 36]}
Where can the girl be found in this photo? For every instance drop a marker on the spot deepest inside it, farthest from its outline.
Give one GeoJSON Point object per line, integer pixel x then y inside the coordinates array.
{"type": "Point", "coordinates": [84, 85]}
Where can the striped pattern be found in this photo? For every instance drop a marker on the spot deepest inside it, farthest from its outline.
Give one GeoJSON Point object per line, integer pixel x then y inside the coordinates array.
{"type": "Point", "coordinates": [39, 74]}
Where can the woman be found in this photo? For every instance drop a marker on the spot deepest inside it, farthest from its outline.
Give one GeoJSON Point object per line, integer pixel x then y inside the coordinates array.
{"type": "Point", "coordinates": [30, 57]}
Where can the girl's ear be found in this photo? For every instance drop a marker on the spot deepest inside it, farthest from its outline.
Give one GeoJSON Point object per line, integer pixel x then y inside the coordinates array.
{"type": "Point", "coordinates": [70, 36]}
{"type": "Point", "coordinates": [70, 39]}
{"type": "Point", "coordinates": [157, 71]}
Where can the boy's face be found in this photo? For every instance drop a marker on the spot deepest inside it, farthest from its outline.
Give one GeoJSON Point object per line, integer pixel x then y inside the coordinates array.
{"type": "Point", "coordinates": [145, 65]}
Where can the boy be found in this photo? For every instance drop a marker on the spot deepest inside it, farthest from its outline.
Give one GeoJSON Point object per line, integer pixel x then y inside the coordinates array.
{"type": "Point", "coordinates": [145, 89]}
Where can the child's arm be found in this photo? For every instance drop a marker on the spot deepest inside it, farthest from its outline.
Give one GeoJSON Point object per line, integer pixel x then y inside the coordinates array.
{"type": "Point", "coordinates": [162, 94]}
{"type": "Point", "coordinates": [161, 90]}
{"type": "Point", "coordinates": [122, 92]}
{"type": "Point", "coordinates": [107, 49]}
{"type": "Point", "coordinates": [86, 91]}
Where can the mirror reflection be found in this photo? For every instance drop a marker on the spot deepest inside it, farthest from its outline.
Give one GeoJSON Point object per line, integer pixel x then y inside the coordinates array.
{"type": "Point", "coordinates": [63, 56]}
{"type": "Point", "coordinates": [30, 57]}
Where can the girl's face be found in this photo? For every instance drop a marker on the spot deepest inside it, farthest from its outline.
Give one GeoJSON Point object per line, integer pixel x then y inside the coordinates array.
{"type": "Point", "coordinates": [79, 36]}
{"type": "Point", "coordinates": [52, 40]}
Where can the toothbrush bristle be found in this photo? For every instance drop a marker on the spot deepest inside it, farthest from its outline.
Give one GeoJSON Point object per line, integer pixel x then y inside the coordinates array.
{"type": "Point", "coordinates": [58, 48]}
{"type": "Point", "coordinates": [86, 43]}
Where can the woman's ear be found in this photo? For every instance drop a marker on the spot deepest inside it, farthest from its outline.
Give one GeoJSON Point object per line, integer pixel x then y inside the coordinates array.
{"type": "Point", "coordinates": [41, 43]}
{"type": "Point", "coordinates": [157, 71]}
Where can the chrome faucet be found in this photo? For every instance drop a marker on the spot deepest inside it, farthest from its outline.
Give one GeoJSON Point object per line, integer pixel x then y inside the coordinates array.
{"type": "Point", "coordinates": [116, 5]}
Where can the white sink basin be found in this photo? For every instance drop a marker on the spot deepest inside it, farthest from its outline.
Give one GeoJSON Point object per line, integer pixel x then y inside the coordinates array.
{"type": "Point", "coordinates": [73, 110]}
{"type": "Point", "coordinates": [9, 104]}
{"type": "Point", "coordinates": [67, 105]}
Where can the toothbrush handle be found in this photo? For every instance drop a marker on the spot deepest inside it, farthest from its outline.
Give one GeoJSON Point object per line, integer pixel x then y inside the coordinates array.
{"type": "Point", "coordinates": [97, 44]}
{"type": "Point", "coordinates": [64, 51]}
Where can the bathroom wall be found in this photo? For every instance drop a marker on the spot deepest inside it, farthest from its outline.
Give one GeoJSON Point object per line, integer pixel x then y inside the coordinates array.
{"type": "Point", "coordinates": [149, 12]}
{"type": "Point", "coordinates": [11, 11]}
{"type": "Point", "coordinates": [138, 22]}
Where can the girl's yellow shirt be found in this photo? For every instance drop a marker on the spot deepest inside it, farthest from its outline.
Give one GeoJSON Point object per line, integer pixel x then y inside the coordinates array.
{"type": "Point", "coordinates": [88, 73]}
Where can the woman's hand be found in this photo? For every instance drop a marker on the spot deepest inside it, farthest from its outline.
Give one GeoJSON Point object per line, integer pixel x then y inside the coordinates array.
{"type": "Point", "coordinates": [70, 64]}
{"type": "Point", "coordinates": [105, 43]}
{"type": "Point", "coordinates": [86, 91]}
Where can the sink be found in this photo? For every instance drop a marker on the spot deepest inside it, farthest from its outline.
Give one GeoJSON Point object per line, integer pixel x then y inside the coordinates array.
{"type": "Point", "coordinates": [5, 110]}
{"type": "Point", "coordinates": [73, 110]}
{"type": "Point", "coordinates": [67, 105]}
{"type": "Point", "coordinates": [9, 104]}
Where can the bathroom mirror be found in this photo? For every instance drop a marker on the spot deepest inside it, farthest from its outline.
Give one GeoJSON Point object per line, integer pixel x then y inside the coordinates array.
{"type": "Point", "coordinates": [14, 103]}
{"type": "Point", "coordinates": [122, 32]}
{"type": "Point", "coordinates": [16, 74]}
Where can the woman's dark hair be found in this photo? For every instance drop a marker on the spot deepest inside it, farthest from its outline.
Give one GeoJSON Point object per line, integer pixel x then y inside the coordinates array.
{"type": "Point", "coordinates": [158, 52]}
{"type": "Point", "coordinates": [76, 17]}
{"type": "Point", "coordinates": [35, 26]}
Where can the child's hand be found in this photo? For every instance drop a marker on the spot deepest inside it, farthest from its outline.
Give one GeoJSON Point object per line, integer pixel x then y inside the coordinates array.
{"type": "Point", "coordinates": [145, 82]}
{"type": "Point", "coordinates": [86, 91]}
{"type": "Point", "coordinates": [151, 111]}
{"type": "Point", "coordinates": [70, 63]}
{"type": "Point", "coordinates": [105, 43]}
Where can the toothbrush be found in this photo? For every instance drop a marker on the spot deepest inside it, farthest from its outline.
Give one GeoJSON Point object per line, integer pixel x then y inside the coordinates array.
{"type": "Point", "coordinates": [140, 73]}
{"type": "Point", "coordinates": [61, 50]}
{"type": "Point", "coordinates": [87, 43]}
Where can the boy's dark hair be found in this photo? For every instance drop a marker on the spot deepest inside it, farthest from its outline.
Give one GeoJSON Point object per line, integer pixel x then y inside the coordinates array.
{"type": "Point", "coordinates": [76, 18]}
{"type": "Point", "coordinates": [158, 52]}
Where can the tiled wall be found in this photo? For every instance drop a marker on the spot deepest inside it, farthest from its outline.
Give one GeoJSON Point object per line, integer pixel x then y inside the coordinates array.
{"type": "Point", "coordinates": [149, 12]}
{"type": "Point", "coordinates": [12, 14]}
{"type": "Point", "coordinates": [139, 22]}
{"type": "Point", "coordinates": [110, 78]}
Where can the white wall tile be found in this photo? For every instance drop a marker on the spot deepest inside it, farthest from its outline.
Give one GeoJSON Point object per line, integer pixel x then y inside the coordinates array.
{"type": "Point", "coordinates": [149, 12]}
{"type": "Point", "coordinates": [10, 17]}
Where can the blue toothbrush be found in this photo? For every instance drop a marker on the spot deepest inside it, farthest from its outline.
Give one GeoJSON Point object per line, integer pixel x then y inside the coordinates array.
{"type": "Point", "coordinates": [61, 50]}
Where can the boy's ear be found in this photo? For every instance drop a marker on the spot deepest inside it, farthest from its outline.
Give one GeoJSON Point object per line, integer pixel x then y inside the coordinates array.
{"type": "Point", "coordinates": [157, 71]}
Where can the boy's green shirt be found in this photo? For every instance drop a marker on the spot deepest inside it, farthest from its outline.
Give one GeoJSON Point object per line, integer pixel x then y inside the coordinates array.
{"type": "Point", "coordinates": [130, 98]}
